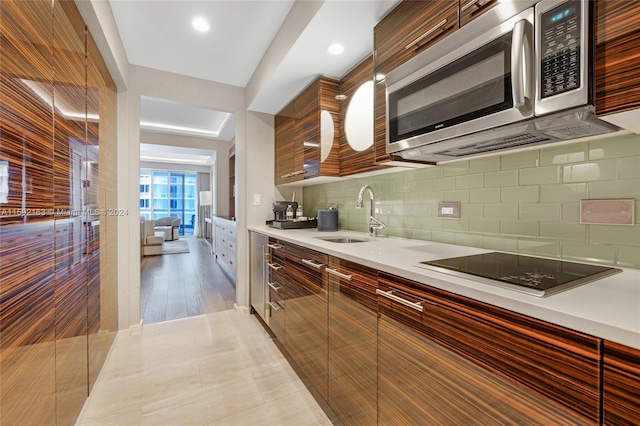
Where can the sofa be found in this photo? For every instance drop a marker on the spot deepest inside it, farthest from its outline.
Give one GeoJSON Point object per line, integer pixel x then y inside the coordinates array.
{"type": "Point", "coordinates": [152, 240]}
{"type": "Point", "coordinates": [169, 226]}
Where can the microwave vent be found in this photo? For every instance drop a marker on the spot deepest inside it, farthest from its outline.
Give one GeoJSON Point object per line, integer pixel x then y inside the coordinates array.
{"type": "Point", "coordinates": [579, 131]}
{"type": "Point", "coordinates": [495, 144]}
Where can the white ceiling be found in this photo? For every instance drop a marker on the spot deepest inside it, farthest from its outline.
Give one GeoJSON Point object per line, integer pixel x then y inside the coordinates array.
{"type": "Point", "coordinates": [158, 34]}
{"type": "Point", "coordinates": [171, 154]}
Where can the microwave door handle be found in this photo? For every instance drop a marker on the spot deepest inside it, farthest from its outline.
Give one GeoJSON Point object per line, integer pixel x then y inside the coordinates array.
{"type": "Point", "coordinates": [521, 45]}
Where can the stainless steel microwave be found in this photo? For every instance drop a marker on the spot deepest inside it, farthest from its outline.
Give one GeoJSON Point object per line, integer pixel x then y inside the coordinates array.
{"type": "Point", "coordinates": [519, 75]}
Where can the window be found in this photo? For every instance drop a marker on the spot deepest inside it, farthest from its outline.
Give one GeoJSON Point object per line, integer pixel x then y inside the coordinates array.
{"type": "Point", "coordinates": [169, 194]}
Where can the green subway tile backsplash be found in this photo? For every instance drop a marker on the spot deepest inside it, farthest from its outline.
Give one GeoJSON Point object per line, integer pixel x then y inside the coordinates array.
{"type": "Point", "coordinates": [524, 202]}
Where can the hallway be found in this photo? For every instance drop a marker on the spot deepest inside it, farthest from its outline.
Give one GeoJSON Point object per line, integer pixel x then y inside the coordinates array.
{"type": "Point", "coordinates": [215, 369]}
{"type": "Point", "coordinates": [180, 285]}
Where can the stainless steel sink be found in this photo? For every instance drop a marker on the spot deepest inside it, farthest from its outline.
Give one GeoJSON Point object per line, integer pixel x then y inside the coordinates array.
{"type": "Point", "coordinates": [344, 240]}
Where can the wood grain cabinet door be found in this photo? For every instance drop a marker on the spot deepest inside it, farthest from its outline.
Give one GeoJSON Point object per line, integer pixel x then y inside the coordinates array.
{"type": "Point", "coordinates": [442, 360]}
{"type": "Point", "coordinates": [617, 56]}
{"type": "Point", "coordinates": [306, 323]}
{"type": "Point", "coordinates": [353, 352]}
{"type": "Point", "coordinates": [621, 387]}
{"type": "Point", "coordinates": [471, 9]}
{"type": "Point", "coordinates": [283, 144]}
{"type": "Point", "coordinates": [409, 29]}
{"type": "Point", "coordinates": [276, 280]}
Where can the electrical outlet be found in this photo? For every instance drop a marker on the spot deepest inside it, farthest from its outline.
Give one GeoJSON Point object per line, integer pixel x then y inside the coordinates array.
{"type": "Point", "coordinates": [256, 199]}
{"type": "Point", "coordinates": [607, 212]}
{"type": "Point", "coordinates": [449, 210]}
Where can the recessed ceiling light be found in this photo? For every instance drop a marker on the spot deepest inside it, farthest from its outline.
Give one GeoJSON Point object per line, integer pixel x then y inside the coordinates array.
{"type": "Point", "coordinates": [341, 97]}
{"type": "Point", "coordinates": [335, 48]}
{"type": "Point", "coordinates": [200, 24]}
{"type": "Point", "coordinates": [380, 76]}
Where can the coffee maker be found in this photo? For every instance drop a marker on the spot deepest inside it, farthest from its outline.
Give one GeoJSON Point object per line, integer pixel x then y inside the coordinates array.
{"type": "Point", "coordinates": [280, 210]}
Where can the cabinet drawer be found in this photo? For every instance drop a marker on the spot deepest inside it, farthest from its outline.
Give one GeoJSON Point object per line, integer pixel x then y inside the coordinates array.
{"type": "Point", "coordinates": [410, 28]}
{"type": "Point", "coordinates": [556, 362]}
{"type": "Point", "coordinates": [621, 383]}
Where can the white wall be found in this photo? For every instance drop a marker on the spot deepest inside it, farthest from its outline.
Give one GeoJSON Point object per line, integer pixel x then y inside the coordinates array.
{"type": "Point", "coordinates": [254, 154]}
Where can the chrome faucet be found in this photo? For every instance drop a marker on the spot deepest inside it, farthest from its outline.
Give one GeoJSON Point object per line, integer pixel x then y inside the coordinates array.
{"type": "Point", "coordinates": [373, 223]}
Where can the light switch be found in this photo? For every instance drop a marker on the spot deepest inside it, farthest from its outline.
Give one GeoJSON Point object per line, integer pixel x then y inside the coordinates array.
{"type": "Point", "coordinates": [256, 199]}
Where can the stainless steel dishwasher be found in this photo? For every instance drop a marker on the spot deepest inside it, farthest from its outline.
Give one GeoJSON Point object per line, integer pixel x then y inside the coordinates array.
{"type": "Point", "coordinates": [258, 275]}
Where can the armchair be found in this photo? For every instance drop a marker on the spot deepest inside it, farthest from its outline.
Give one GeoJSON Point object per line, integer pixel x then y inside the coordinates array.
{"type": "Point", "coordinates": [152, 241]}
{"type": "Point", "coordinates": [169, 226]}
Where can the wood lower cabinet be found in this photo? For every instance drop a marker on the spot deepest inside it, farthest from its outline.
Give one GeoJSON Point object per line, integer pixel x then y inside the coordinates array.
{"type": "Point", "coordinates": [617, 35]}
{"type": "Point", "coordinates": [277, 282]}
{"type": "Point", "coordinates": [352, 369]}
{"type": "Point", "coordinates": [226, 245]}
{"type": "Point", "coordinates": [621, 385]}
{"type": "Point", "coordinates": [306, 322]}
{"type": "Point", "coordinates": [454, 360]}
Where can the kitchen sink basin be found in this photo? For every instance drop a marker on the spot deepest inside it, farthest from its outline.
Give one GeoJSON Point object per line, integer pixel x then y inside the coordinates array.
{"type": "Point", "coordinates": [344, 240]}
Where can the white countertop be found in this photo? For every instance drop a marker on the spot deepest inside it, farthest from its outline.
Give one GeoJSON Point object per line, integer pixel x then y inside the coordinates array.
{"type": "Point", "coordinates": [608, 308]}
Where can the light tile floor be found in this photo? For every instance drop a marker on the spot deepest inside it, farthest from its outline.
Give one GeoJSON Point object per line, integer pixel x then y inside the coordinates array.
{"type": "Point", "coordinates": [214, 369]}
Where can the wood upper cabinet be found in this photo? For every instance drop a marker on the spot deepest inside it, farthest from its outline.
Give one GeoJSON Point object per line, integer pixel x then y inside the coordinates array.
{"type": "Point", "coordinates": [617, 34]}
{"type": "Point", "coordinates": [352, 381]}
{"type": "Point", "coordinates": [460, 361]}
{"type": "Point", "coordinates": [471, 9]}
{"type": "Point", "coordinates": [621, 382]}
{"type": "Point", "coordinates": [357, 137]}
{"type": "Point", "coordinates": [306, 317]}
{"type": "Point", "coordinates": [406, 31]}
{"type": "Point", "coordinates": [409, 29]}
{"type": "Point", "coordinates": [284, 142]}
{"type": "Point", "coordinates": [304, 134]}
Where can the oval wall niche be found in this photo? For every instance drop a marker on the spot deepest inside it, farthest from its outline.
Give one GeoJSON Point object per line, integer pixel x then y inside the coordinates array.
{"type": "Point", "coordinates": [358, 126]}
{"type": "Point", "coordinates": [326, 134]}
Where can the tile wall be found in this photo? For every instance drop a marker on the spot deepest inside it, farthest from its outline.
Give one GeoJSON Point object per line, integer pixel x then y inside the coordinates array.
{"type": "Point", "coordinates": [526, 202]}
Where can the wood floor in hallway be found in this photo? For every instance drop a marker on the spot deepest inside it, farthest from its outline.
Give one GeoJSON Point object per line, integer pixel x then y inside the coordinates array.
{"type": "Point", "coordinates": [182, 285]}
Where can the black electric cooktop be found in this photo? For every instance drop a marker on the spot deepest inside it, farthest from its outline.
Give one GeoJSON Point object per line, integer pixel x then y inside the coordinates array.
{"type": "Point", "coordinates": [527, 274]}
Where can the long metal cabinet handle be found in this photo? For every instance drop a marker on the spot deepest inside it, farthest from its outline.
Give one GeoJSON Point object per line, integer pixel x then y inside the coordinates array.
{"type": "Point", "coordinates": [468, 5]}
{"type": "Point", "coordinates": [390, 295]}
{"type": "Point", "coordinates": [274, 286]}
{"type": "Point", "coordinates": [521, 45]}
{"type": "Point", "coordinates": [275, 246]}
{"type": "Point", "coordinates": [427, 34]}
{"type": "Point", "coordinates": [339, 274]}
{"type": "Point", "coordinates": [275, 306]}
{"type": "Point", "coordinates": [274, 267]}
{"type": "Point", "coordinates": [312, 263]}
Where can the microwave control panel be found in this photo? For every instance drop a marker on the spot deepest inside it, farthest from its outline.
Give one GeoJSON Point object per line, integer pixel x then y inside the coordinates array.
{"type": "Point", "coordinates": [560, 49]}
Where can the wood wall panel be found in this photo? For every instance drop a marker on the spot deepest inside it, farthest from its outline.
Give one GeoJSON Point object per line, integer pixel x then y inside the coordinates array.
{"type": "Point", "coordinates": [51, 292]}
{"type": "Point", "coordinates": [617, 56]}
{"type": "Point", "coordinates": [26, 79]}
{"type": "Point", "coordinates": [621, 399]}
{"type": "Point", "coordinates": [27, 311]}
{"type": "Point", "coordinates": [558, 363]}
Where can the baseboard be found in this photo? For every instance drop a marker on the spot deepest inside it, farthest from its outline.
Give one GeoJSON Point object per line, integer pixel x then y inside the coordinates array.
{"type": "Point", "coordinates": [242, 309]}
